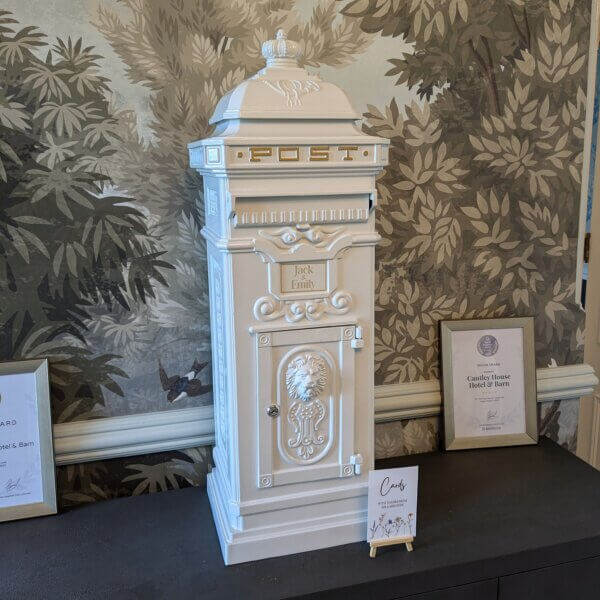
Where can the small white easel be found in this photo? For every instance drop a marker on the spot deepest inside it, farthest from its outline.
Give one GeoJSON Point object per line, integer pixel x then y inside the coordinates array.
{"type": "Point", "coordinates": [399, 540]}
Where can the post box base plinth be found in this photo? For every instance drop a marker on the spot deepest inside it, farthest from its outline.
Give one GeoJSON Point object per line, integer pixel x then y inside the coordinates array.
{"type": "Point", "coordinates": [298, 534]}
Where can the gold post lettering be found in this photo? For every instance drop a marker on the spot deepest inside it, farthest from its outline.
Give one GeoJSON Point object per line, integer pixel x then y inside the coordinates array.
{"type": "Point", "coordinates": [347, 149]}
{"type": "Point", "coordinates": [258, 152]}
{"type": "Point", "coordinates": [319, 153]}
{"type": "Point", "coordinates": [295, 156]}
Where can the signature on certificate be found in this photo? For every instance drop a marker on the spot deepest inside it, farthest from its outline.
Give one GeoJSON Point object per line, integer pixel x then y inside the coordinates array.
{"type": "Point", "coordinates": [12, 485]}
{"type": "Point", "coordinates": [492, 414]}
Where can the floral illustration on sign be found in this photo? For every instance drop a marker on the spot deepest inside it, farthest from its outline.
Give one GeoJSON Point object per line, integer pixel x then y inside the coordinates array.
{"type": "Point", "coordinates": [391, 528]}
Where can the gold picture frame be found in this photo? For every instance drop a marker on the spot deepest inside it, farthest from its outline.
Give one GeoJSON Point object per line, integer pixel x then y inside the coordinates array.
{"type": "Point", "coordinates": [462, 421]}
{"type": "Point", "coordinates": [36, 430]}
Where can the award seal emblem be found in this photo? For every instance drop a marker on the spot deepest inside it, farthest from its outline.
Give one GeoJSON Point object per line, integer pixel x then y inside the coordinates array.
{"type": "Point", "coordinates": [487, 345]}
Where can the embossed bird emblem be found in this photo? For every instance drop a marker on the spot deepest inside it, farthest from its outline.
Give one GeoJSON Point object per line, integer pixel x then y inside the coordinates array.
{"type": "Point", "coordinates": [179, 387]}
{"type": "Point", "coordinates": [292, 90]}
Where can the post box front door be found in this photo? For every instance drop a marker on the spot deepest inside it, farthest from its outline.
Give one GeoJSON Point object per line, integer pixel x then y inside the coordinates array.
{"type": "Point", "coordinates": [305, 396]}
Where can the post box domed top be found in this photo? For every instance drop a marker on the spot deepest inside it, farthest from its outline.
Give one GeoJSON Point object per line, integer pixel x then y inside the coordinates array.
{"type": "Point", "coordinates": [284, 90]}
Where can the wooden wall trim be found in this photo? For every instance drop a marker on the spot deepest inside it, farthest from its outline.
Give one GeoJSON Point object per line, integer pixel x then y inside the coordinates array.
{"type": "Point", "coordinates": [131, 435]}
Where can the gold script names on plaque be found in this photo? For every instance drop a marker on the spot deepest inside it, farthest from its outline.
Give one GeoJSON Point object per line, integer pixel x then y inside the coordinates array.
{"type": "Point", "coordinates": [304, 277]}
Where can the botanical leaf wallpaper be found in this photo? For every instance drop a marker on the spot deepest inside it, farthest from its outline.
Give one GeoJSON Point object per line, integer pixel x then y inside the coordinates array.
{"type": "Point", "coordinates": [119, 477]}
{"type": "Point", "coordinates": [480, 203]}
{"type": "Point", "coordinates": [103, 270]}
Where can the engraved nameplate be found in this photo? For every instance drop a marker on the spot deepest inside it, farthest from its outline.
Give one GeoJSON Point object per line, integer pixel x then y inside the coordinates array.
{"type": "Point", "coordinates": [304, 277]}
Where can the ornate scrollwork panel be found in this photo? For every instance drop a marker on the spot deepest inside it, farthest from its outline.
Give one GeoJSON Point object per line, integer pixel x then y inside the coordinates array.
{"type": "Point", "coordinates": [269, 308]}
{"type": "Point", "coordinates": [290, 238]}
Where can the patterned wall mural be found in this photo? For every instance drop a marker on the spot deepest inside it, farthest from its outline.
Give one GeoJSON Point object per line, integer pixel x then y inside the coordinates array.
{"type": "Point", "coordinates": [102, 268]}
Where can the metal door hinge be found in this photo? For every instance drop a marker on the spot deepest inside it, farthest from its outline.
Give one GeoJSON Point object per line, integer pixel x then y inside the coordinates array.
{"type": "Point", "coordinates": [358, 342]}
{"type": "Point", "coordinates": [356, 460]}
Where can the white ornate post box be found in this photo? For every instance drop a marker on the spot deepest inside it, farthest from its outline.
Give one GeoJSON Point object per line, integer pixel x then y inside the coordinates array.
{"type": "Point", "coordinates": [289, 190]}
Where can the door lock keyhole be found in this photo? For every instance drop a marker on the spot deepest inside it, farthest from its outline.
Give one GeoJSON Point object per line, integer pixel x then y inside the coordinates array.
{"type": "Point", "coordinates": [273, 410]}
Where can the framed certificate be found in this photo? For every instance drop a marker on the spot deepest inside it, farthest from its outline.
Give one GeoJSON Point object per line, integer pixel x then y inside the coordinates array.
{"type": "Point", "coordinates": [489, 383]}
{"type": "Point", "coordinates": [27, 480]}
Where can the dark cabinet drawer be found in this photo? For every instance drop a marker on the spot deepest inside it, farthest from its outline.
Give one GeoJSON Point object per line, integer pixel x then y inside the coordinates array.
{"type": "Point", "coordinates": [579, 580]}
{"type": "Point", "coordinates": [482, 590]}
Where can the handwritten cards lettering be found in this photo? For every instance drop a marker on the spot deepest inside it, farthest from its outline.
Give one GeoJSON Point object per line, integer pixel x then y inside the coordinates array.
{"type": "Point", "coordinates": [392, 505]}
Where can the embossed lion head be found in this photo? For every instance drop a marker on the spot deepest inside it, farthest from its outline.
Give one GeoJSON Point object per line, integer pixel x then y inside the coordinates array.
{"type": "Point", "coordinates": [306, 377]}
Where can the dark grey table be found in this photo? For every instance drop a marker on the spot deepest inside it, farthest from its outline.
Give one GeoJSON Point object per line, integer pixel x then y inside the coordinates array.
{"type": "Point", "coordinates": [508, 523]}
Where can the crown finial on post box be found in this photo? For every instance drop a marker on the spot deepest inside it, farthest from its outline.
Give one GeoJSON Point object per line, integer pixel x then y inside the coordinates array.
{"type": "Point", "coordinates": [281, 52]}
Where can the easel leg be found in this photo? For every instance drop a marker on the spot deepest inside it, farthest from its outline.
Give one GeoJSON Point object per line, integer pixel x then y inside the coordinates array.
{"type": "Point", "coordinates": [407, 541]}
